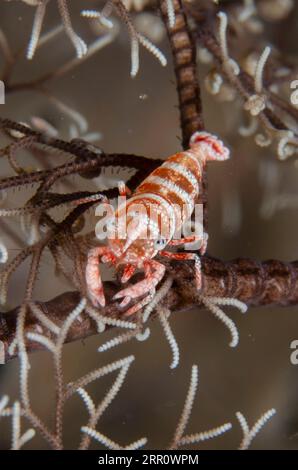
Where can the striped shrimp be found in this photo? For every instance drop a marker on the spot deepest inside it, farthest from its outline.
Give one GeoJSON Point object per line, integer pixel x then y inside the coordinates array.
{"type": "Point", "coordinates": [158, 208]}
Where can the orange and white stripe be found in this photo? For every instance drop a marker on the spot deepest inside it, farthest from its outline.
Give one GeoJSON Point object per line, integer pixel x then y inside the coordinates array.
{"type": "Point", "coordinates": [169, 192]}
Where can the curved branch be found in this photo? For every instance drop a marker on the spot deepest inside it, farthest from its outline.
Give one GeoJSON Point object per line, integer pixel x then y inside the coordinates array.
{"type": "Point", "coordinates": [255, 283]}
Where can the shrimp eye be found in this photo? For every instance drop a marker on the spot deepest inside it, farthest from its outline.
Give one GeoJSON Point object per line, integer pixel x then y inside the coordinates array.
{"type": "Point", "coordinates": [160, 243]}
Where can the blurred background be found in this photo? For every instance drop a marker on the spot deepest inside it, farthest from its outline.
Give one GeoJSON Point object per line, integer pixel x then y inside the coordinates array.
{"type": "Point", "coordinates": [246, 219]}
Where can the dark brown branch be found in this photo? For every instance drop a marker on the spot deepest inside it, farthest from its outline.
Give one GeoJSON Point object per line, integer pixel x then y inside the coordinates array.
{"type": "Point", "coordinates": [183, 48]}
{"type": "Point", "coordinates": [84, 151]}
{"type": "Point", "coordinates": [255, 283]}
{"type": "Point", "coordinates": [184, 58]}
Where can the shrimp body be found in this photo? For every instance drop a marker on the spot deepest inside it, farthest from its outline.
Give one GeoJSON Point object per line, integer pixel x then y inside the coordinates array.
{"type": "Point", "coordinates": [159, 207]}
